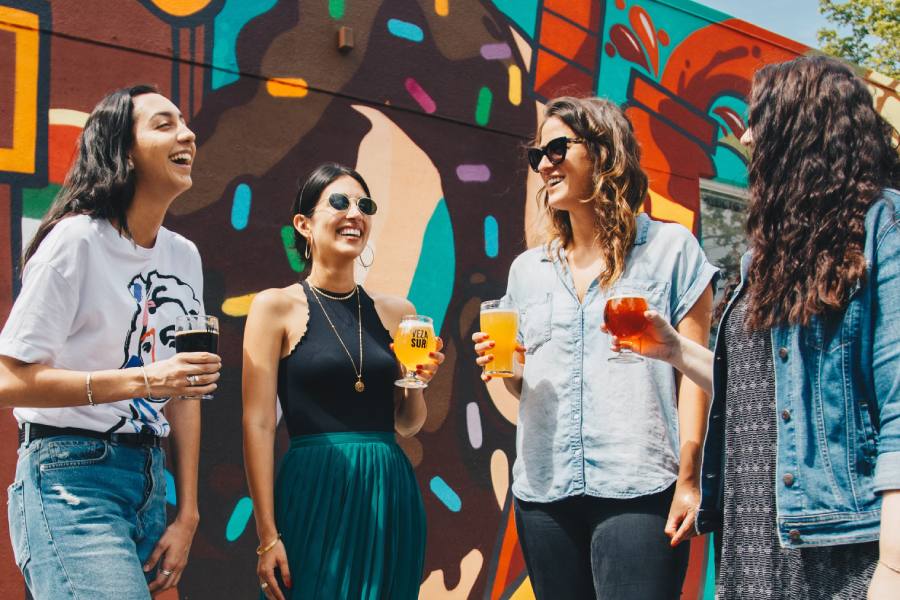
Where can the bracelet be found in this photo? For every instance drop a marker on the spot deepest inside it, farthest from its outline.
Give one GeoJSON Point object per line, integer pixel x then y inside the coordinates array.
{"type": "Point", "coordinates": [887, 566]}
{"type": "Point", "coordinates": [263, 549]}
{"type": "Point", "coordinates": [146, 381]}
{"type": "Point", "coordinates": [90, 392]}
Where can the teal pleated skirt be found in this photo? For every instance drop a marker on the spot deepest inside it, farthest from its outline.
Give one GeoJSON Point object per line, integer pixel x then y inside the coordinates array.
{"type": "Point", "coordinates": [351, 517]}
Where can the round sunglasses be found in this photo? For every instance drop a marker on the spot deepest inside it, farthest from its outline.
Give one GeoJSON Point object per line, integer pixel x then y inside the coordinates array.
{"type": "Point", "coordinates": [555, 151]}
{"type": "Point", "coordinates": [339, 201]}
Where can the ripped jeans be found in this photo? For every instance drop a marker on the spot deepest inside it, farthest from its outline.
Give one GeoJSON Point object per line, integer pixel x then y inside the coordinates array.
{"type": "Point", "coordinates": [84, 514]}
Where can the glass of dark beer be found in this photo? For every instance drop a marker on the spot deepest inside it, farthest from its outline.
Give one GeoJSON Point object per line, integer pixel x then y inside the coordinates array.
{"type": "Point", "coordinates": [197, 333]}
{"type": "Point", "coordinates": [624, 318]}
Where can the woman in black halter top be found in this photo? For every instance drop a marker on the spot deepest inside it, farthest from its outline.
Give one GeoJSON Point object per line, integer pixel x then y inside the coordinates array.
{"type": "Point", "coordinates": [346, 518]}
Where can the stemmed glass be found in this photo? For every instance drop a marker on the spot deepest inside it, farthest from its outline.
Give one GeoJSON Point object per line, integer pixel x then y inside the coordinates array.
{"type": "Point", "coordinates": [413, 343]}
{"type": "Point", "coordinates": [624, 318]}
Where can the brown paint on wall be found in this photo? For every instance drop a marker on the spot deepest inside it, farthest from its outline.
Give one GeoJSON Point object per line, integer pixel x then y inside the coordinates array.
{"type": "Point", "coordinates": [9, 573]}
{"type": "Point", "coordinates": [125, 23]}
{"type": "Point", "coordinates": [198, 72]}
{"type": "Point", "coordinates": [7, 86]}
{"type": "Point", "coordinates": [83, 71]}
{"type": "Point", "coordinates": [185, 75]}
{"type": "Point", "coordinates": [6, 253]}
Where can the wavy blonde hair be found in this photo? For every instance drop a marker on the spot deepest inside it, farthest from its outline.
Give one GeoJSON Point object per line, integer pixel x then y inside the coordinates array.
{"type": "Point", "coordinates": [619, 182]}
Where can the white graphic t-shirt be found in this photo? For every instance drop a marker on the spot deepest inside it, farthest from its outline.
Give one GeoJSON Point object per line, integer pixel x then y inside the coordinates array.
{"type": "Point", "coordinates": [93, 300]}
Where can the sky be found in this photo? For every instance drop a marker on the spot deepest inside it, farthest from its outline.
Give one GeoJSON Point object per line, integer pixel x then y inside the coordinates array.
{"type": "Point", "coordinates": [795, 19]}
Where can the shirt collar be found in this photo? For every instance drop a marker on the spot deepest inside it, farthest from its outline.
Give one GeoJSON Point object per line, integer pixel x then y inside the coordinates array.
{"type": "Point", "coordinates": [642, 222]}
{"type": "Point", "coordinates": [550, 252]}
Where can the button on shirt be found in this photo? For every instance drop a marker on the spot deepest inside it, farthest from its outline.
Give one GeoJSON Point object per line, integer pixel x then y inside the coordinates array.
{"type": "Point", "coordinates": [587, 425]}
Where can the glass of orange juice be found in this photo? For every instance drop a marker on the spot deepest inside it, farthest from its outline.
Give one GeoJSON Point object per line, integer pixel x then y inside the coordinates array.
{"type": "Point", "coordinates": [500, 320]}
{"type": "Point", "coordinates": [413, 343]}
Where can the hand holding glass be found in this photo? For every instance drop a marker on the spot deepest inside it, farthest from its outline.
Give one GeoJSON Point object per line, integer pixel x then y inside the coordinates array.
{"type": "Point", "coordinates": [413, 345]}
{"type": "Point", "coordinates": [500, 321]}
{"type": "Point", "coordinates": [197, 333]}
{"type": "Point", "coordinates": [624, 318]}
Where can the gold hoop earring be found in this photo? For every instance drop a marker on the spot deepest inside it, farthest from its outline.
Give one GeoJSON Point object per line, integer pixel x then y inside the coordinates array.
{"type": "Point", "coordinates": [372, 260]}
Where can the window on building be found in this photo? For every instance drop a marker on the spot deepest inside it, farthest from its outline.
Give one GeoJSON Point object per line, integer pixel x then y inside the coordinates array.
{"type": "Point", "coordinates": [723, 212]}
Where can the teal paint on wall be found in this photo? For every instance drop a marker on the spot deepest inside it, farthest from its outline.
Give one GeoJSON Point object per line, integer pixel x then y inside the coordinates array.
{"type": "Point", "coordinates": [171, 493]}
{"type": "Point", "coordinates": [240, 516]}
{"type": "Point", "coordinates": [226, 28]}
{"type": "Point", "coordinates": [432, 284]}
{"type": "Point", "coordinates": [240, 206]}
{"type": "Point", "coordinates": [521, 12]}
{"type": "Point", "coordinates": [491, 237]}
{"type": "Point", "coordinates": [730, 167]}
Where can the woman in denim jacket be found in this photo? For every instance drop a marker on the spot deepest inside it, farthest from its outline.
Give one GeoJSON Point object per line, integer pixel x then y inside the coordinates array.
{"type": "Point", "coordinates": [606, 477]}
{"type": "Point", "coordinates": [801, 465]}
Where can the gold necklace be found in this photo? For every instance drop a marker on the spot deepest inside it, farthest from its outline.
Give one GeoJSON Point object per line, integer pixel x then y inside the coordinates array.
{"type": "Point", "coordinates": [359, 386]}
{"type": "Point", "coordinates": [332, 297]}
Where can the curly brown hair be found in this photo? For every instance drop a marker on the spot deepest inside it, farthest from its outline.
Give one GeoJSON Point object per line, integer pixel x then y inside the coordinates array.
{"type": "Point", "coordinates": [619, 182]}
{"type": "Point", "coordinates": [821, 157]}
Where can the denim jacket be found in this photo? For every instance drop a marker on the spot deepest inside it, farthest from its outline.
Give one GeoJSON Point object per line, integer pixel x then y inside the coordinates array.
{"type": "Point", "coordinates": [837, 393]}
{"type": "Point", "coordinates": [586, 425]}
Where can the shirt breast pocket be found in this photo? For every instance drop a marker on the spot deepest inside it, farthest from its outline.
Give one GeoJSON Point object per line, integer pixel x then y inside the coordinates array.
{"type": "Point", "coordinates": [656, 293]}
{"type": "Point", "coordinates": [536, 320]}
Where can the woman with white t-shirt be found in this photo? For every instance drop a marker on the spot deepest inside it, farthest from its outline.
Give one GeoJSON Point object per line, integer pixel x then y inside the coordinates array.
{"type": "Point", "coordinates": [87, 359]}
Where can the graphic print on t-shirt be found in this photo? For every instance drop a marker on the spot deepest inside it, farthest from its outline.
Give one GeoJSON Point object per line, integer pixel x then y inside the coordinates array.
{"type": "Point", "coordinates": [151, 337]}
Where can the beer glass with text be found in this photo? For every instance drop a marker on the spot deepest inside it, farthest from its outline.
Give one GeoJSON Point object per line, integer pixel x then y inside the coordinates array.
{"type": "Point", "coordinates": [197, 333]}
{"type": "Point", "coordinates": [413, 343]}
{"type": "Point", "coordinates": [500, 320]}
{"type": "Point", "coordinates": [624, 318]}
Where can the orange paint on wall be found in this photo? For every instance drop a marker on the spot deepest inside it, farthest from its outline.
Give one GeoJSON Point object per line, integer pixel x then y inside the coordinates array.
{"type": "Point", "coordinates": [20, 157]}
{"type": "Point", "coordinates": [62, 143]}
{"type": "Point", "coordinates": [510, 562]}
{"type": "Point", "coordinates": [579, 11]}
{"type": "Point", "coordinates": [287, 87]}
{"type": "Point", "coordinates": [181, 8]}
{"type": "Point", "coordinates": [567, 40]}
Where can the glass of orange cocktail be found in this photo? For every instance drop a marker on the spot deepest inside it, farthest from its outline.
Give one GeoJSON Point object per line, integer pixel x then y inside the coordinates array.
{"type": "Point", "coordinates": [624, 318]}
{"type": "Point", "coordinates": [500, 320]}
{"type": "Point", "coordinates": [413, 344]}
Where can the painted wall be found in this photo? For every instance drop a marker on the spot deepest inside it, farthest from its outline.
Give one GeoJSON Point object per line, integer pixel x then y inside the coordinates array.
{"type": "Point", "coordinates": [433, 106]}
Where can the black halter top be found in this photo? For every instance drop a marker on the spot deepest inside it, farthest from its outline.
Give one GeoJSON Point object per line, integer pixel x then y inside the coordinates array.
{"type": "Point", "coordinates": [316, 380]}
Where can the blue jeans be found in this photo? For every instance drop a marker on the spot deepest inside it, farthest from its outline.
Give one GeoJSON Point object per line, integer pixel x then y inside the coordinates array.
{"type": "Point", "coordinates": [84, 514]}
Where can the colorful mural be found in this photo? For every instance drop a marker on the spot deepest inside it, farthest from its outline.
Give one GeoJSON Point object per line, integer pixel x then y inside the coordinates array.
{"type": "Point", "coordinates": [432, 105]}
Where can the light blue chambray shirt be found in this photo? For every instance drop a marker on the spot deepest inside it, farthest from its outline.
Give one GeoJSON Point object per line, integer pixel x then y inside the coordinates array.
{"type": "Point", "coordinates": [586, 425]}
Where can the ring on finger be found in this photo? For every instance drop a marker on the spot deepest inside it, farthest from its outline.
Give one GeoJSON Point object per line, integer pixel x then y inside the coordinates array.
{"type": "Point", "coordinates": [166, 572]}
{"type": "Point", "coordinates": [192, 379]}
{"type": "Point", "coordinates": [263, 585]}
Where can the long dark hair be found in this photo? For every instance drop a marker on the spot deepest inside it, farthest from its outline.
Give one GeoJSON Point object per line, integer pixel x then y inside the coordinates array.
{"type": "Point", "coordinates": [308, 193]}
{"type": "Point", "coordinates": [619, 182]}
{"type": "Point", "coordinates": [821, 157]}
{"type": "Point", "coordinates": [101, 180]}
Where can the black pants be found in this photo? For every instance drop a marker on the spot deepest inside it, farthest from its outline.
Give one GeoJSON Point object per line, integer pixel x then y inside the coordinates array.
{"type": "Point", "coordinates": [586, 547]}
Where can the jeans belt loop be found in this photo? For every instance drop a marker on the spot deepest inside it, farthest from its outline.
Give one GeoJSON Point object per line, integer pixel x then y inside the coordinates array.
{"type": "Point", "coordinates": [27, 429]}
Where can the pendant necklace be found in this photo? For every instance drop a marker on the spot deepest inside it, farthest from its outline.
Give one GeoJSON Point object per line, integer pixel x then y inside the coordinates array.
{"type": "Point", "coordinates": [359, 386]}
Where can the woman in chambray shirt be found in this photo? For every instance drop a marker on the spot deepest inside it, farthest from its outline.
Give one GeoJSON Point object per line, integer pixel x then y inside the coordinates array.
{"type": "Point", "coordinates": [801, 466]}
{"type": "Point", "coordinates": [606, 473]}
